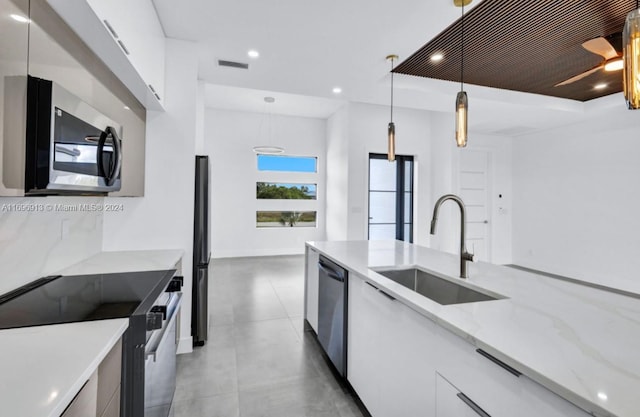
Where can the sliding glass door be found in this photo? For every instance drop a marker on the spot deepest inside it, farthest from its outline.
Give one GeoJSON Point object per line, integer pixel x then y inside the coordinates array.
{"type": "Point", "coordinates": [390, 197]}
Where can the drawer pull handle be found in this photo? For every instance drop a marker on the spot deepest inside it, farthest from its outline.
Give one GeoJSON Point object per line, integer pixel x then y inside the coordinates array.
{"type": "Point", "coordinates": [123, 47]}
{"type": "Point", "coordinates": [475, 407]}
{"type": "Point", "coordinates": [390, 297]}
{"type": "Point", "coordinates": [498, 362]}
{"type": "Point", "coordinates": [110, 28]}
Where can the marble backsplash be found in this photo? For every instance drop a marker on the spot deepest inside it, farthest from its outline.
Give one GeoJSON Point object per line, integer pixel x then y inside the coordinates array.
{"type": "Point", "coordinates": [42, 235]}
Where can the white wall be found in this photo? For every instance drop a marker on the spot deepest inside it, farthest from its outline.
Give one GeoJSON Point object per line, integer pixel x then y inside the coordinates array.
{"type": "Point", "coordinates": [445, 168]}
{"type": "Point", "coordinates": [576, 199]}
{"type": "Point", "coordinates": [230, 137]}
{"type": "Point", "coordinates": [38, 236]}
{"type": "Point", "coordinates": [163, 218]}
{"type": "Point", "coordinates": [367, 133]}
{"type": "Point", "coordinates": [337, 207]}
{"type": "Point", "coordinates": [360, 129]}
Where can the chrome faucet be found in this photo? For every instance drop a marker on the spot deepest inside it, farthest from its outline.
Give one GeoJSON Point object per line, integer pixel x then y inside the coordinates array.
{"type": "Point", "coordinates": [464, 255]}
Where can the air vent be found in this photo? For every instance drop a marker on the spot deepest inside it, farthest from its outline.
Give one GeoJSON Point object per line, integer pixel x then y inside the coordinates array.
{"type": "Point", "coordinates": [513, 131]}
{"type": "Point", "coordinates": [232, 64]}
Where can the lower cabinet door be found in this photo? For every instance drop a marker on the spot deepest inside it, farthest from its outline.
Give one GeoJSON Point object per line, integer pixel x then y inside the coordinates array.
{"type": "Point", "coordinates": [450, 402]}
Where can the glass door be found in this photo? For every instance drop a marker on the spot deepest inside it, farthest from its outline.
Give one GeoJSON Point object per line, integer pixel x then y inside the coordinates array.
{"type": "Point", "coordinates": [390, 198]}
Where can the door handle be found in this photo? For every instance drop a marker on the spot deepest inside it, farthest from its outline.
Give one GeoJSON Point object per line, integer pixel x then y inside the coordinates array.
{"type": "Point", "coordinates": [331, 273]}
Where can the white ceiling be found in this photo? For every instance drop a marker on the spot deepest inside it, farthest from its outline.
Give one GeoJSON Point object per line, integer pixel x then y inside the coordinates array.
{"type": "Point", "coordinates": [307, 48]}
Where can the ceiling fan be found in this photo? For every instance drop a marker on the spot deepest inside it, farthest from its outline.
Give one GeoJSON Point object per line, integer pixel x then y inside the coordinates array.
{"type": "Point", "coordinates": [601, 46]}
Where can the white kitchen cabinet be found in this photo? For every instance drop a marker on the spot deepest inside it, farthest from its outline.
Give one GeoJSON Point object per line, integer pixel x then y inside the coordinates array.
{"type": "Point", "coordinates": [135, 27]}
{"type": "Point", "coordinates": [128, 38]}
{"type": "Point", "coordinates": [390, 361]}
{"type": "Point", "coordinates": [492, 387]}
{"type": "Point", "coordinates": [311, 288]}
{"type": "Point", "coordinates": [402, 363]}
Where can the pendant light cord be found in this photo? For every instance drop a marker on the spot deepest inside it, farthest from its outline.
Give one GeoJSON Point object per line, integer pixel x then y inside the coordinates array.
{"type": "Point", "coordinates": [391, 90]}
{"type": "Point", "coordinates": [462, 49]}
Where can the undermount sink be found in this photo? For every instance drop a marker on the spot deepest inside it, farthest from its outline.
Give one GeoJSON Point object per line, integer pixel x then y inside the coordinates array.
{"type": "Point", "coordinates": [441, 290]}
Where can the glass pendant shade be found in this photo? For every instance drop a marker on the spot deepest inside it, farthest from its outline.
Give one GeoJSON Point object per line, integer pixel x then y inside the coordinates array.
{"type": "Point", "coordinates": [462, 109]}
{"type": "Point", "coordinates": [631, 48]}
{"type": "Point", "coordinates": [391, 154]}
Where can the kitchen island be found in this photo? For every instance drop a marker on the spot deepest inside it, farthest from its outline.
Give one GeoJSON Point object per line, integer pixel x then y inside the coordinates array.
{"type": "Point", "coordinates": [546, 347]}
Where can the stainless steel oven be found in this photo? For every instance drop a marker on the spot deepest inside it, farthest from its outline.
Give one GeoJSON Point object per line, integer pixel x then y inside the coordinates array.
{"type": "Point", "coordinates": [71, 148]}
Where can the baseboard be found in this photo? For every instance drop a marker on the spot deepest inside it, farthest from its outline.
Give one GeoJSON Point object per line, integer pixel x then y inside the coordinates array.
{"type": "Point", "coordinates": [185, 345]}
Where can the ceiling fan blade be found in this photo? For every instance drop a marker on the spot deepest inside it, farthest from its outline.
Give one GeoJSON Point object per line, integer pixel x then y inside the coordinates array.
{"type": "Point", "coordinates": [580, 76]}
{"type": "Point", "coordinates": [600, 46]}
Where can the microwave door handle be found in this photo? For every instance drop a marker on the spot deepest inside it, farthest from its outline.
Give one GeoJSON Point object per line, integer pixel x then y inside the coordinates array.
{"type": "Point", "coordinates": [100, 156]}
{"type": "Point", "coordinates": [117, 153]}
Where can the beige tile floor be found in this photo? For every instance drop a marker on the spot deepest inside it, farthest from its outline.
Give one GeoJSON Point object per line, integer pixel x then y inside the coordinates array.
{"type": "Point", "coordinates": [258, 362]}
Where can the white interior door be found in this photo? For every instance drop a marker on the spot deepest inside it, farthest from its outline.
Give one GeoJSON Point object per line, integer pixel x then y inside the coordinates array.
{"type": "Point", "coordinates": [474, 190]}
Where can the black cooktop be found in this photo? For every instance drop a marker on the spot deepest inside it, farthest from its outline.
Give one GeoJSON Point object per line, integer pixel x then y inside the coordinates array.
{"type": "Point", "coordinates": [65, 299]}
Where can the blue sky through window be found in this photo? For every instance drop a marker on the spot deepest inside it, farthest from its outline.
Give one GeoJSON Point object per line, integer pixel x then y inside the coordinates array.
{"type": "Point", "coordinates": [286, 163]}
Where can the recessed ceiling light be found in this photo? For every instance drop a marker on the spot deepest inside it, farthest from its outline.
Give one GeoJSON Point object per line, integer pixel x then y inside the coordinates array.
{"type": "Point", "coordinates": [603, 396]}
{"type": "Point", "coordinates": [437, 57]}
{"type": "Point", "coordinates": [253, 53]}
{"type": "Point", "coordinates": [337, 90]}
{"type": "Point", "coordinates": [127, 108]}
{"type": "Point", "coordinates": [19, 18]}
{"type": "Point", "coordinates": [600, 86]}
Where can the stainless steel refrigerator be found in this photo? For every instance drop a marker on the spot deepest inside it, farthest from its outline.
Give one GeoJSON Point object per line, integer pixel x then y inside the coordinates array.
{"type": "Point", "coordinates": [201, 254]}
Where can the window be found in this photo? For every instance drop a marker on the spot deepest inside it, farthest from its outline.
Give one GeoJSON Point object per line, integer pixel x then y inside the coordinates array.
{"type": "Point", "coordinates": [293, 194]}
{"type": "Point", "coordinates": [286, 219]}
{"type": "Point", "coordinates": [390, 198]}
{"type": "Point", "coordinates": [280, 191]}
{"type": "Point", "coordinates": [287, 163]}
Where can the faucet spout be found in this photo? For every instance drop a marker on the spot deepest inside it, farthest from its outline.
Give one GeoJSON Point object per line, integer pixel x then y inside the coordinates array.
{"type": "Point", "coordinates": [465, 256]}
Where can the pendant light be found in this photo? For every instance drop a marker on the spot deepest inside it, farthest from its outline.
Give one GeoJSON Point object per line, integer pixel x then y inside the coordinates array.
{"type": "Point", "coordinates": [391, 130]}
{"type": "Point", "coordinates": [462, 104]}
{"type": "Point", "coordinates": [631, 48]}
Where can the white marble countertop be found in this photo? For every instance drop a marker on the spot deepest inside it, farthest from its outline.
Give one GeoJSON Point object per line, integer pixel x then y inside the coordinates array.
{"type": "Point", "coordinates": [125, 261]}
{"type": "Point", "coordinates": [42, 368]}
{"type": "Point", "coordinates": [581, 343]}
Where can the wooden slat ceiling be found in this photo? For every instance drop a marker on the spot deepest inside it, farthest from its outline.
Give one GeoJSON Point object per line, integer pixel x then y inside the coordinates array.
{"type": "Point", "coordinates": [528, 46]}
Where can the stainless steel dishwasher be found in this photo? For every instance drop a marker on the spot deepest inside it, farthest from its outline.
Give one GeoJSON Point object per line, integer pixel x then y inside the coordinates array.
{"type": "Point", "coordinates": [332, 313]}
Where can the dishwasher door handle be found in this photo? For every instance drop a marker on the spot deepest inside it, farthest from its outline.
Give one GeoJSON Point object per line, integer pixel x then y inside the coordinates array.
{"type": "Point", "coordinates": [331, 273]}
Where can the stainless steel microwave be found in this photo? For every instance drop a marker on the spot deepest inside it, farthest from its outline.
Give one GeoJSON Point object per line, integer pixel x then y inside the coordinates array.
{"type": "Point", "coordinates": [71, 148]}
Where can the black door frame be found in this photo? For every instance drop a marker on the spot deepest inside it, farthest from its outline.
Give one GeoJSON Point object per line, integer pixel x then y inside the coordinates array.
{"type": "Point", "coordinates": [401, 160]}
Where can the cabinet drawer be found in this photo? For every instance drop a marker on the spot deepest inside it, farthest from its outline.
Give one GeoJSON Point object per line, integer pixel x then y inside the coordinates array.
{"type": "Point", "coordinates": [493, 387]}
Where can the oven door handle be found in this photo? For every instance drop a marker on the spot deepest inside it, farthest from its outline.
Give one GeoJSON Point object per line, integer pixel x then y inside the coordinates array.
{"type": "Point", "coordinates": [156, 340]}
